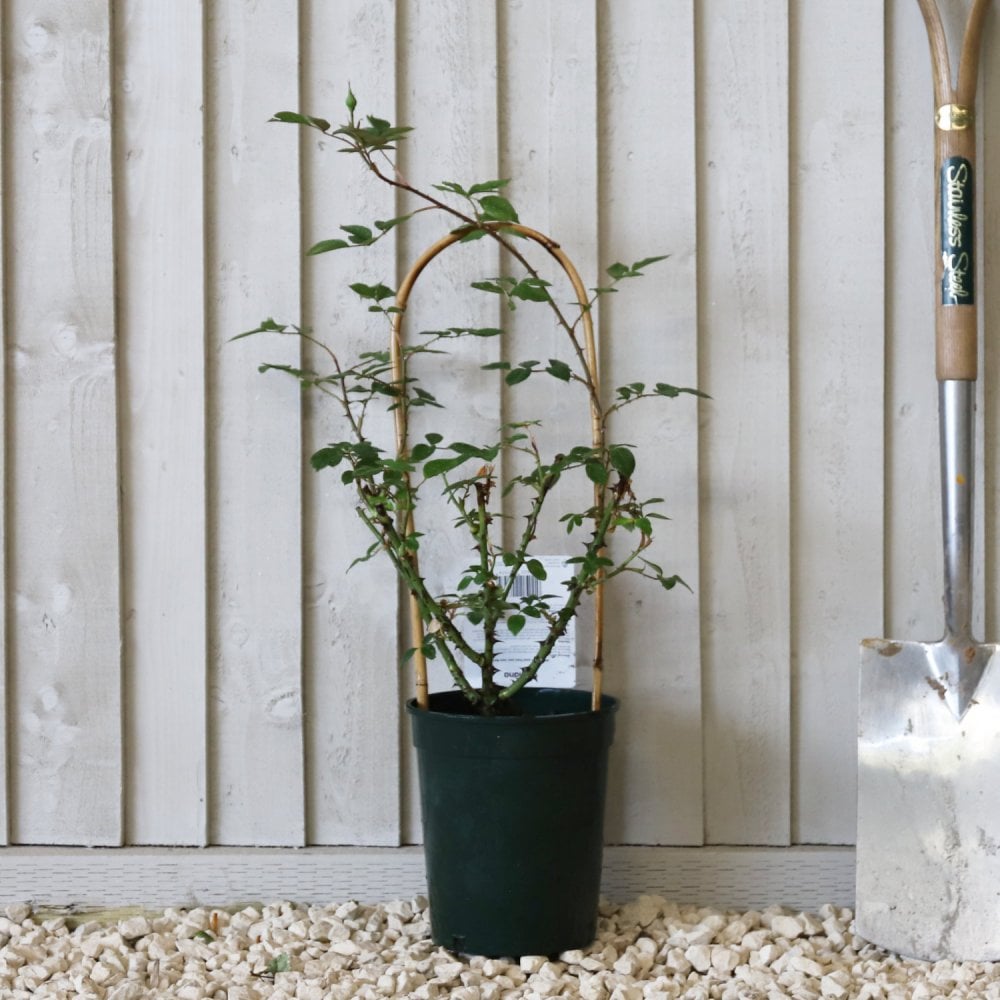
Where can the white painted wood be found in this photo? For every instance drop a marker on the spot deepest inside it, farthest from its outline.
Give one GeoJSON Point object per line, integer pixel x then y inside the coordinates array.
{"type": "Point", "coordinates": [736, 878]}
{"type": "Point", "coordinates": [743, 202]}
{"type": "Point", "coordinates": [913, 510]}
{"type": "Point", "coordinates": [549, 148]}
{"type": "Point", "coordinates": [65, 669]}
{"type": "Point", "coordinates": [649, 333]}
{"type": "Point", "coordinates": [352, 685]}
{"type": "Point", "coordinates": [838, 308]}
{"type": "Point", "coordinates": [617, 112]}
{"type": "Point", "coordinates": [255, 740]}
{"type": "Point", "coordinates": [4, 649]}
{"type": "Point", "coordinates": [447, 55]}
{"type": "Point", "coordinates": [161, 274]}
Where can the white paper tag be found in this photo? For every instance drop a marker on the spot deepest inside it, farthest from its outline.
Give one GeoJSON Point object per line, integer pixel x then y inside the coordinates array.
{"type": "Point", "coordinates": [515, 652]}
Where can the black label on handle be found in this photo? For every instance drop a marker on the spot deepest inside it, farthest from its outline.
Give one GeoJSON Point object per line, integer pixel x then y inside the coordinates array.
{"type": "Point", "coordinates": [957, 233]}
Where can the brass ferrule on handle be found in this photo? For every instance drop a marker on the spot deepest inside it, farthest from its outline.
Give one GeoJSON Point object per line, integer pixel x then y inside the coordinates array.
{"type": "Point", "coordinates": [955, 161]}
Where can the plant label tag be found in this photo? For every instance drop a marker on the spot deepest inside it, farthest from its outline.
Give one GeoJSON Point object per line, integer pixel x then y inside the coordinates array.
{"type": "Point", "coordinates": [515, 652]}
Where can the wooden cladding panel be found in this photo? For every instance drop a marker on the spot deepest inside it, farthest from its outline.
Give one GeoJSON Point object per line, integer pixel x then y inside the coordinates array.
{"type": "Point", "coordinates": [63, 604]}
{"type": "Point", "coordinates": [161, 272]}
{"type": "Point", "coordinates": [450, 47]}
{"type": "Point", "coordinates": [744, 316]}
{"type": "Point", "coordinates": [255, 745]}
{"type": "Point", "coordinates": [838, 371]}
{"type": "Point", "coordinates": [650, 334]}
{"type": "Point", "coordinates": [352, 687]}
{"type": "Point", "coordinates": [187, 660]}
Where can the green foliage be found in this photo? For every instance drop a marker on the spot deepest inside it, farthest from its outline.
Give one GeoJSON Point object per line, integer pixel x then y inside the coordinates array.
{"type": "Point", "coordinates": [390, 484]}
{"type": "Point", "coordinates": [280, 963]}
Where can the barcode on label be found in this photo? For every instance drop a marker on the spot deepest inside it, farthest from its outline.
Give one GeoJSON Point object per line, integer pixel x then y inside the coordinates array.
{"type": "Point", "coordinates": [525, 585]}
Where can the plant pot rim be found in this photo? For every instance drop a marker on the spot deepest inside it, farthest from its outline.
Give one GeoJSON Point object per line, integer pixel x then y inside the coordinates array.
{"type": "Point", "coordinates": [455, 702]}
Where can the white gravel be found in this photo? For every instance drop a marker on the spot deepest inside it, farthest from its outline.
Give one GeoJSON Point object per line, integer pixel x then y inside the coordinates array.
{"type": "Point", "coordinates": [648, 949]}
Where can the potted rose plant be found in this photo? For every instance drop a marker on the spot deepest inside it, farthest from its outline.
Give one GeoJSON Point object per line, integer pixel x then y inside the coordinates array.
{"type": "Point", "coordinates": [512, 776]}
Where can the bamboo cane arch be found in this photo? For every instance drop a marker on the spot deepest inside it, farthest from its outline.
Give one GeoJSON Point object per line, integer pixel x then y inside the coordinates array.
{"type": "Point", "coordinates": [398, 361]}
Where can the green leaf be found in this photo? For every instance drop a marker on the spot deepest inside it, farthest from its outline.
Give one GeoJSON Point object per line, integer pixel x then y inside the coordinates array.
{"type": "Point", "coordinates": [646, 261]}
{"type": "Point", "coordinates": [376, 292]}
{"type": "Point", "coordinates": [434, 438]}
{"type": "Point", "coordinates": [280, 963]}
{"type": "Point", "coordinates": [559, 369]}
{"type": "Point", "coordinates": [451, 187]}
{"type": "Point", "coordinates": [472, 234]}
{"type": "Point", "coordinates": [531, 290]}
{"type": "Point", "coordinates": [536, 569]}
{"type": "Point", "coordinates": [623, 460]}
{"type": "Point", "coordinates": [421, 451]}
{"type": "Point", "coordinates": [502, 366]}
{"type": "Point", "coordinates": [204, 936]}
{"type": "Point", "coordinates": [497, 208]}
{"type": "Point", "coordinates": [596, 472]}
{"type": "Point", "coordinates": [325, 246]}
{"type": "Point", "coordinates": [618, 271]}
{"type": "Point", "coordinates": [515, 623]}
{"type": "Point", "coordinates": [487, 286]}
{"type": "Point", "coordinates": [384, 225]}
{"type": "Point", "coordinates": [360, 235]}
{"type": "Point", "coordinates": [327, 458]}
{"type": "Point", "coordinates": [439, 466]}
{"type": "Point", "coordinates": [517, 375]}
{"type": "Point", "coordinates": [488, 186]}
{"type": "Point", "coordinates": [294, 118]}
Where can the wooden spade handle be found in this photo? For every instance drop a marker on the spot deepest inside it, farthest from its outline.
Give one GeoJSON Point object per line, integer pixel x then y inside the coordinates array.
{"type": "Point", "coordinates": [955, 159]}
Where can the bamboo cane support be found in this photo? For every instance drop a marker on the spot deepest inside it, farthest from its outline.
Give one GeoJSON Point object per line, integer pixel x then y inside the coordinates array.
{"type": "Point", "coordinates": [398, 361]}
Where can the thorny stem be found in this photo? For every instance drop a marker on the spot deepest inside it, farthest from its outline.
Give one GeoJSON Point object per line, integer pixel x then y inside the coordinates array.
{"type": "Point", "coordinates": [387, 505]}
{"type": "Point", "coordinates": [578, 586]}
{"type": "Point", "coordinates": [494, 230]}
{"type": "Point", "coordinates": [381, 524]}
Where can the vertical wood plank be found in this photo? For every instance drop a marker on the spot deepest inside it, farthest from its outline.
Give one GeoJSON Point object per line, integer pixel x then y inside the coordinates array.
{"type": "Point", "coordinates": [65, 708]}
{"type": "Point", "coordinates": [549, 48]}
{"type": "Point", "coordinates": [838, 307]}
{"type": "Point", "coordinates": [743, 182]}
{"type": "Point", "coordinates": [255, 717]}
{"type": "Point", "coordinates": [448, 89]}
{"type": "Point", "coordinates": [650, 333]}
{"type": "Point", "coordinates": [913, 503]}
{"type": "Point", "coordinates": [5, 715]}
{"type": "Point", "coordinates": [161, 275]}
{"type": "Point", "coordinates": [351, 683]}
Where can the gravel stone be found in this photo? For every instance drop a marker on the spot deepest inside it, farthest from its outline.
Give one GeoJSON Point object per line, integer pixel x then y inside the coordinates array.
{"type": "Point", "coordinates": [787, 927]}
{"type": "Point", "coordinates": [649, 949]}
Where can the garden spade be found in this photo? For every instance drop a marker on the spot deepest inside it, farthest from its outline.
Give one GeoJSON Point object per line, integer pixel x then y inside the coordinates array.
{"type": "Point", "coordinates": [928, 857]}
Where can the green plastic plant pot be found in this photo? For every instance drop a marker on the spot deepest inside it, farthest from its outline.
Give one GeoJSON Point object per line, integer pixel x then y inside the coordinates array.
{"type": "Point", "coordinates": [513, 819]}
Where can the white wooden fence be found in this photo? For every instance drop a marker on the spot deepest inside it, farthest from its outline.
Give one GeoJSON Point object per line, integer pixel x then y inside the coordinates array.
{"type": "Point", "coordinates": [187, 662]}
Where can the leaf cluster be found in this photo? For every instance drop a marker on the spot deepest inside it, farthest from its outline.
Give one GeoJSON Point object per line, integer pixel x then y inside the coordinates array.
{"type": "Point", "coordinates": [390, 483]}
